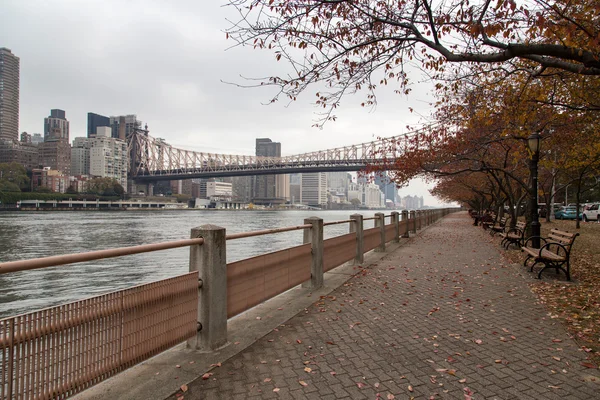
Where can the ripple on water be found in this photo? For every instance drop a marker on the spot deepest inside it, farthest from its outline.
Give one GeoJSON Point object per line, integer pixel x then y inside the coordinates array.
{"type": "Point", "coordinates": [26, 235]}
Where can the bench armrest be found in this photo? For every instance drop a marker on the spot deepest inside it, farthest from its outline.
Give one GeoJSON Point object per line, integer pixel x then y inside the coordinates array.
{"type": "Point", "coordinates": [548, 246]}
{"type": "Point", "coordinates": [518, 231]}
{"type": "Point", "coordinates": [527, 241]}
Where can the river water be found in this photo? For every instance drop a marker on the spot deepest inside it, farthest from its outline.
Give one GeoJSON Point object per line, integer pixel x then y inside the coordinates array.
{"type": "Point", "coordinates": [25, 235]}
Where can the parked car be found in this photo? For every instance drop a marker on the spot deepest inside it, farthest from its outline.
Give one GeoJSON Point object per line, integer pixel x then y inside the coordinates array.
{"type": "Point", "coordinates": [590, 213]}
{"type": "Point", "coordinates": [566, 212]}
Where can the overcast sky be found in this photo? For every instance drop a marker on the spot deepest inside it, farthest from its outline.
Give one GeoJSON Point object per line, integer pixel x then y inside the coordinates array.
{"type": "Point", "coordinates": [166, 62]}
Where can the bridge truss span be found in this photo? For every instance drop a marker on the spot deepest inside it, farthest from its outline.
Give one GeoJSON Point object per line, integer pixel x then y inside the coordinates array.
{"type": "Point", "coordinates": [153, 159]}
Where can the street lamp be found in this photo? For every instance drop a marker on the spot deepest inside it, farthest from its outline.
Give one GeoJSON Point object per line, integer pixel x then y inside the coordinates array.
{"type": "Point", "coordinates": [533, 142]}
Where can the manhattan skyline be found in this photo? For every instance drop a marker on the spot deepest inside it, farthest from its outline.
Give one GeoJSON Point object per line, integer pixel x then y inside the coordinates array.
{"type": "Point", "coordinates": [167, 64]}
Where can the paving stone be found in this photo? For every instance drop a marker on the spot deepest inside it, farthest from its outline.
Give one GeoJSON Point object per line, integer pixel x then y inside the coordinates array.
{"type": "Point", "coordinates": [444, 307]}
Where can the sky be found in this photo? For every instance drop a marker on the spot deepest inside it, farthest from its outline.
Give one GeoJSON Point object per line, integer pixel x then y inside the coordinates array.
{"type": "Point", "coordinates": [169, 62]}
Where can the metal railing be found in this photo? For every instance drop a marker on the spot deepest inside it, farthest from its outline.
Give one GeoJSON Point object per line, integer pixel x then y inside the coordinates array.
{"type": "Point", "coordinates": [62, 350]}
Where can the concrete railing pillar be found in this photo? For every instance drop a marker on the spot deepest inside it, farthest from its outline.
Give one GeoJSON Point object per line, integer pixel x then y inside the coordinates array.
{"type": "Point", "coordinates": [413, 221]}
{"type": "Point", "coordinates": [357, 226]}
{"type": "Point", "coordinates": [405, 228]}
{"type": "Point", "coordinates": [314, 236]}
{"type": "Point", "coordinates": [209, 259]}
{"type": "Point", "coordinates": [396, 222]}
{"type": "Point", "coordinates": [380, 223]}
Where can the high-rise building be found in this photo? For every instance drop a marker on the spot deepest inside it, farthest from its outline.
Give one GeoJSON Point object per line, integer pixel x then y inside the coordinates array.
{"type": "Point", "coordinates": [9, 95]}
{"type": "Point", "coordinates": [23, 153]}
{"type": "Point", "coordinates": [314, 189]}
{"type": "Point", "coordinates": [295, 188]}
{"type": "Point", "coordinates": [102, 156]}
{"type": "Point", "coordinates": [386, 186]}
{"type": "Point", "coordinates": [269, 189]}
{"type": "Point", "coordinates": [94, 121]}
{"type": "Point", "coordinates": [124, 125]}
{"type": "Point", "coordinates": [56, 126]}
{"type": "Point", "coordinates": [55, 152]}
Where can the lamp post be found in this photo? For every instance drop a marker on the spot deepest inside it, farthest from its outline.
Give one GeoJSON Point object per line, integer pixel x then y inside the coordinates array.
{"type": "Point", "coordinates": [533, 142]}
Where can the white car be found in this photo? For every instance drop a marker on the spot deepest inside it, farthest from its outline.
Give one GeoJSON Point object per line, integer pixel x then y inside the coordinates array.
{"type": "Point", "coordinates": [591, 213]}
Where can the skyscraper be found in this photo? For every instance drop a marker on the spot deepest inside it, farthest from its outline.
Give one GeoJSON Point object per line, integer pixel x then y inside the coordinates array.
{"type": "Point", "coordinates": [9, 95]}
{"type": "Point", "coordinates": [55, 152]}
{"type": "Point", "coordinates": [124, 125]}
{"type": "Point", "coordinates": [56, 126]}
{"type": "Point", "coordinates": [94, 121]}
{"type": "Point", "coordinates": [269, 189]}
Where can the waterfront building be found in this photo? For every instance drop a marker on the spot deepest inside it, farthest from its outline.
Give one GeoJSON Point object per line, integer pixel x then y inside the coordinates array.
{"type": "Point", "coordinates": [386, 186]}
{"type": "Point", "coordinates": [55, 154]}
{"type": "Point", "coordinates": [23, 153]}
{"type": "Point", "coordinates": [314, 189]}
{"type": "Point", "coordinates": [9, 95]}
{"type": "Point", "coordinates": [94, 121]}
{"type": "Point", "coordinates": [368, 194]}
{"type": "Point", "coordinates": [265, 187]}
{"type": "Point", "coordinates": [413, 202]}
{"type": "Point", "coordinates": [100, 156]}
{"type": "Point", "coordinates": [49, 178]}
{"type": "Point", "coordinates": [221, 191]}
{"type": "Point", "coordinates": [241, 187]}
{"type": "Point", "coordinates": [295, 188]}
{"type": "Point", "coordinates": [79, 183]}
{"type": "Point", "coordinates": [338, 181]}
{"type": "Point", "coordinates": [181, 186]}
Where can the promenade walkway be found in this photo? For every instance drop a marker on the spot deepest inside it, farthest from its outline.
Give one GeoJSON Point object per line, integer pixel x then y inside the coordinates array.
{"type": "Point", "coordinates": [443, 317]}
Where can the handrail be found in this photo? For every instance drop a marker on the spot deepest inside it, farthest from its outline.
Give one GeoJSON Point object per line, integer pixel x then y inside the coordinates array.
{"type": "Point", "coordinates": [367, 219]}
{"type": "Point", "coordinates": [265, 232]}
{"type": "Point", "coordinates": [338, 222]}
{"type": "Point", "coordinates": [35, 263]}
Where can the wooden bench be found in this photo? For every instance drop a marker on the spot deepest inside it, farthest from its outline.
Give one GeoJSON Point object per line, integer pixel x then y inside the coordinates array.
{"type": "Point", "coordinates": [487, 220]}
{"type": "Point", "coordinates": [554, 252]}
{"type": "Point", "coordinates": [514, 235]}
{"type": "Point", "coordinates": [499, 226]}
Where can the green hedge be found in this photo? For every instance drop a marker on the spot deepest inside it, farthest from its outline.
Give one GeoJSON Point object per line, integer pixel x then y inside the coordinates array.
{"type": "Point", "coordinates": [14, 197]}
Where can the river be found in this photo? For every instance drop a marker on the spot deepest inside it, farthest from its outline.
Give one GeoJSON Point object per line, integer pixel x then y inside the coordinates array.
{"type": "Point", "coordinates": [25, 235]}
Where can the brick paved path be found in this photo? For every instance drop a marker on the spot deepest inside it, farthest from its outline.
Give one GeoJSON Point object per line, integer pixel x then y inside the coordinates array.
{"type": "Point", "coordinates": [440, 318]}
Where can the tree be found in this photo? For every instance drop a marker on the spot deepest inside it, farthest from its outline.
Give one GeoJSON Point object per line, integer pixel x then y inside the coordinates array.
{"type": "Point", "coordinates": [7, 186]}
{"type": "Point", "coordinates": [355, 202]}
{"type": "Point", "coordinates": [14, 173]}
{"type": "Point", "coordinates": [105, 187]}
{"type": "Point", "coordinates": [350, 45]}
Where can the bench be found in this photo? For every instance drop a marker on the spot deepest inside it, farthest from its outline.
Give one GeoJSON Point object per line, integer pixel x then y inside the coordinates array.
{"type": "Point", "coordinates": [514, 235]}
{"type": "Point", "coordinates": [499, 226]}
{"type": "Point", "coordinates": [554, 252]}
{"type": "Point", "coordinates": [487, 220]}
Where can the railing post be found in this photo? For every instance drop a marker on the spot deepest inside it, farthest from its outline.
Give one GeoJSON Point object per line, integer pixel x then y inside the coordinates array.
{"type": "Point", "coordinates": [357, 226]}
{"type": "Point", "coordinates": [314, 236]}
{"type": "Point", "coordinates": [396, 222]}
{"type": "Point", "coordinates": [209, 259]}
{"type": "Point", "coordinates": [380, 222]}
{"type": "Point", "coordinates": [413, 221]}
{"type": "Point", "coordinates": [405, 226]}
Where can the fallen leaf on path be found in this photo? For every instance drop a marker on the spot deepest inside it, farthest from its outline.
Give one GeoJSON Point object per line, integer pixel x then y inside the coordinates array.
{"type": "Point", "coordinates": [184, 388]}
{"type": "Point", "coordinates": [207, 375]}
{"type": "Point", "coordinates": [303, 383]}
